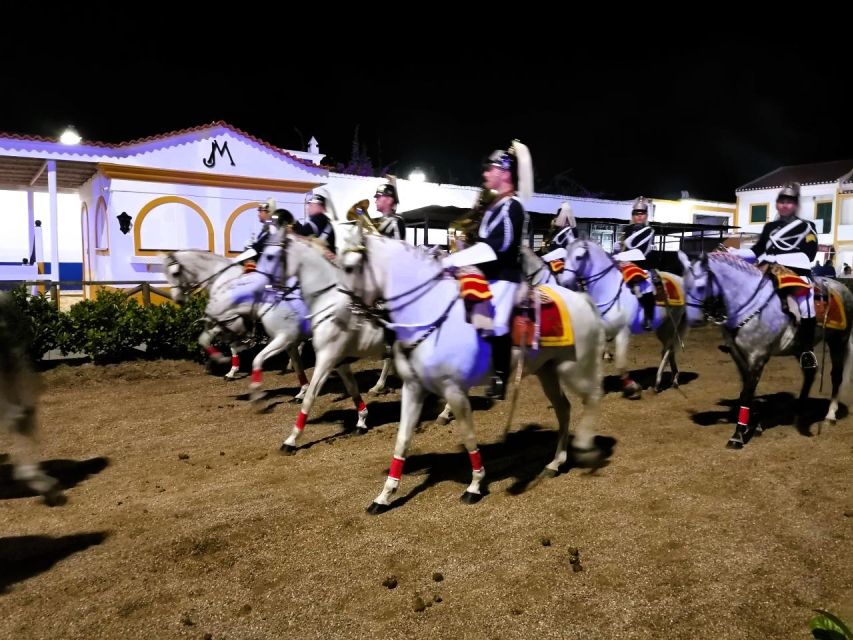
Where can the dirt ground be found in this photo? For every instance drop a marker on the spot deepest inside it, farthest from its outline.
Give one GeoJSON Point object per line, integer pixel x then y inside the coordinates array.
{"type": "Point", "coordinates": [184, 521]}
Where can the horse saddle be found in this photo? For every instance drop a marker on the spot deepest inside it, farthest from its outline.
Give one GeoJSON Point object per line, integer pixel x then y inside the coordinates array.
{"type": "Point", "coordinates": [785, 280]}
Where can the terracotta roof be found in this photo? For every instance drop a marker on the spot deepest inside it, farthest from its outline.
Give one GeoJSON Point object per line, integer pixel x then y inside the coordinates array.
{"type": "Point", "coordinates": [816, 173]}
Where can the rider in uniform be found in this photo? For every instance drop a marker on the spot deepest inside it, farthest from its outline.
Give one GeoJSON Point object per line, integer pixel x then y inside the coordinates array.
{"type": "Point", "coordinates": [636, 244]}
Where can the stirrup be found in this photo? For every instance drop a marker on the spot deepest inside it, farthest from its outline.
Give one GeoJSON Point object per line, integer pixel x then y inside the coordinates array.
{"type": "Point", "coordinates": [808, 360]}
{"type": "Point", "coordinates": [497, 390]}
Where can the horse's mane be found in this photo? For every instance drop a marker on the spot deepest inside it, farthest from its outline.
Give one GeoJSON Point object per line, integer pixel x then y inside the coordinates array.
{"type": "Point", "coordinates": [315, 244]}
{"type": "Point", "coordinates": [734, 261]}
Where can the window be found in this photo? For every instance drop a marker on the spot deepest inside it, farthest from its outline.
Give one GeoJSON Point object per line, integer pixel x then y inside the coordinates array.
{"type": "Point", "coordinates": [758, 213]}
{"type": "Point", "coordinates": [823, 217]}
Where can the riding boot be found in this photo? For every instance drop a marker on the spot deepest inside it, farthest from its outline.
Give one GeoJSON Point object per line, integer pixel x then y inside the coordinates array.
{"type": "Point", "coordinates": [501, 359]}
{"type": "Point", "coordinates": [805, 343]}
{"type": "Point", "coordinates": [647, 301]}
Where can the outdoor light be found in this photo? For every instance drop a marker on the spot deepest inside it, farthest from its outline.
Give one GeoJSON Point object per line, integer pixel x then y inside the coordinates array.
{"type": "Point", "coordinates": [417, 176]}
{"type": "Point", "coordinates": [70, 136]}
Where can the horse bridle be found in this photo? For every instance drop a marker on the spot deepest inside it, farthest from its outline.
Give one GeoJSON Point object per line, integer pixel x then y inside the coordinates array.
{"type": "Point", "coordinates": [585, 281]}
{"type": "Point", "coordinates": [379, 313]}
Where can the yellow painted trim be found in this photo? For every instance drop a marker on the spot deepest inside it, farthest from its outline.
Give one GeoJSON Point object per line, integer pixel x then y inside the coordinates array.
{"type": "Point", "coordinates": [737, 208]}
{"type": "Point", "coordinates": [85, 240]}
{"type": "Point", "coordinates": [101, 201]}
{"type": "Point", "coordinates": [766, 217]}
{"type": "Point", "coordinates": [698, 208]}
{"type": "Point", "coordinates": [230, 222]}
{"type": "Point", "coordinates": [140, 217]}
{"type": "Point", "coordinates": [836, 217]}
{"type": "Point", "coordinates": [173, 176]}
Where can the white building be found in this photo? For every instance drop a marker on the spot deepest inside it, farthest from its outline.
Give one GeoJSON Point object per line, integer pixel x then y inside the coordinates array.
{"type": "Point", "coordinates": [110, 209]}
{"type": "Point", "coordinates": [826, 197]}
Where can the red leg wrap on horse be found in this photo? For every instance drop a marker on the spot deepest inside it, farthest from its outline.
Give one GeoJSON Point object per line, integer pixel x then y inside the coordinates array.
{"type": "Point", "coordinates": [476, 461]}
{"type": "Point", "coordinates": [743, 416]}
{"type": "Point", "coordinates": [235, 361]}
{"type": "Point", "coordinates": [257, 376]}
{"type": "Point", "coordinates": [361, 406]}
{"type": "Point", "coordinates": [300, 420]}
{"type": "Point", "coordinates": [396, 470]}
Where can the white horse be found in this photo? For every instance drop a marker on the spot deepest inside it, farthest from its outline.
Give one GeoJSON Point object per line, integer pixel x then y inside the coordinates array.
{"type": "Point", "coordinates": [590, 268]}
{"type": "Point", "coordinates": [281, 312]}
{"type": "Point", "coordinates": [339, 335]}
{"type": "Point", "coordinates": [438, 351]}
{"type": "Point", "coordinates": [19, 390]}
{"type": "Point", "coordinates": [756, 327]}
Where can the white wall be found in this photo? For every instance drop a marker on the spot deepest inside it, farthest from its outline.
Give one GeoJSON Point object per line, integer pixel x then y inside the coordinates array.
{"type": "Point", "coordinates": [14, 235]}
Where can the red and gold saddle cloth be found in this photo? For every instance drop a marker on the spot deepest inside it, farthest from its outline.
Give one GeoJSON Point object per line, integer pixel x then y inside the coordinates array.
{"type": "Point", "coordinates": [673, 291]}
{"type": "Point", "coordinates": [554, 322]}
{"type": "Point", "coordinates": [829, 310]}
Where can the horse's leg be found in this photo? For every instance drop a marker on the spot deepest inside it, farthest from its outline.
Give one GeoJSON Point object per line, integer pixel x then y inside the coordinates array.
{"type": "Point", "coordinates": [586, 382]}
{"type": "Point", "coordinates": [630, 388]}
{"type": "Point", "coordinates": [387, 367]}
{"type": "Point", "coordinates": [665, 354]}
{"type": "Point", "coordinates": [296, 361]}
{"type": "Point", "coordinates": [352, 389]}
{"type": "Point", "coordinates": [19, 416]}
{"type": "Point", "coordinates": [749, 379]}
{"type": "Point", "coordinates": [206, 341]}
{"type": "Point", "coordinates": [412, 403]}
{"type": "Point", "coordinates": [461, 407]}
{"type": "Point", "coordinates": [562, 407]}
{"type": "Point", "coordinates": [278, 344]}
{"type": "Point", "coordinates": [841, 354]}
{"type": "Point", "coordinates": [683, 328]}
{"type": "Point", "coordinates": [235, 362]}
{"type": "Point", "coordinates": [322, 369]}
{"type": "Point", "coordinates": [799, 420]}
{"type": "Point", "coordinates": [445, 416]}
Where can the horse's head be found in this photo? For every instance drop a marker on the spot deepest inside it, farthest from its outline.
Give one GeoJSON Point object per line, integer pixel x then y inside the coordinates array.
{"type": "Point", "coordinates": [704, 297]}
{"type": "Point", "coordinates": [362, 282]}
{"type": "Point", "coordinates": [179, 277]}
{"type": "Point", "coordinates": [577, 263]}
{"type": "Point", "coordinates": [272, 261]}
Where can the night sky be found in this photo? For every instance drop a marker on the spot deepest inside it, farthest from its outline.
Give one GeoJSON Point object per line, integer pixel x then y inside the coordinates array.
{"type": "Point", "coordinates": [605, 111]}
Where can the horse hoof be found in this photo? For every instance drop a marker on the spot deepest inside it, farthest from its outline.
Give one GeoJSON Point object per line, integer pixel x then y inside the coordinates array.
{"type": "Point", "coordinates": [549, 473]}
{"type": "Point", "coordinates": [360, 431]}
{"type": "Point", "coordinates": [471, 498]}
{"type": "Point", "coordinates": [376, 508]}
{"type": "Point", "coordinates": [228, 378]}
{"type": "Point", "coordinates": [287, 449]}
{"type": "Point", "coordinates": [441, 421]}
{"type": "Point", "coordinates": [734, 444]}
{"type": "Point", "coordinates": [632, 394]}
{"type": "Point", "coordinates": [54, 499]}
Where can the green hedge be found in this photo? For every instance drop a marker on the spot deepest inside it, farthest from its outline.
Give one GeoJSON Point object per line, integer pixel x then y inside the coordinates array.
{"type": "Point", "coordinates": [111, 327]}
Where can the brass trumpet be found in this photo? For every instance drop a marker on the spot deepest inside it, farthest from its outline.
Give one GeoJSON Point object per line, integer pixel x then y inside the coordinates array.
{"type": "Point", "coordinates": [464, 230]}
{"type": "Point", "coordinates": [358, 213]}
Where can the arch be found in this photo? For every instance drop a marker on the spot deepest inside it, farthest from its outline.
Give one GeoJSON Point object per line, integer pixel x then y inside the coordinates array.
{"type": "Point", "coordinates": [230, 223]}
{"type": "Point", "coordinates": [148, 208]}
